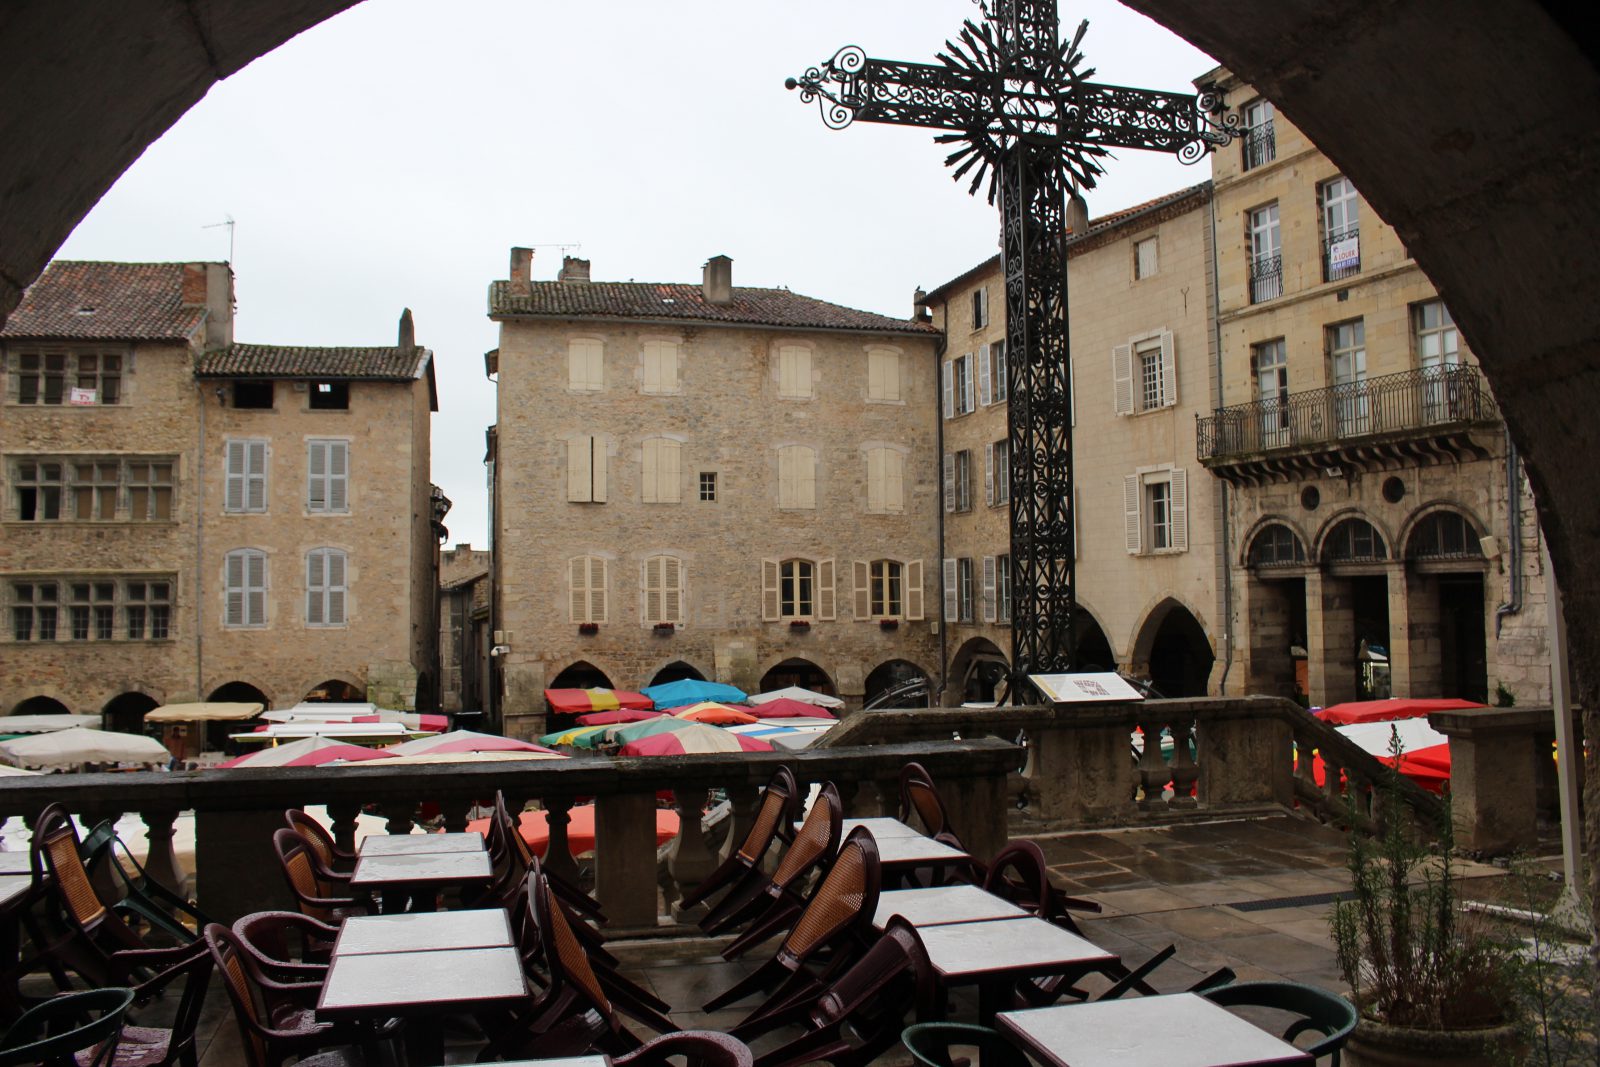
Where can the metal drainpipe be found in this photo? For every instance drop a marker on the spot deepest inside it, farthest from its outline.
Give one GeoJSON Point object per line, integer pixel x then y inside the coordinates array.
{"type": "Point", "coordinates": [938, 462]}
{"type": "Point", "coordinates": [1513, 534]}
{"type": "Point", "coordinates": [200, 551]}
{"type": "Point", "coordinates": [1227, 551]}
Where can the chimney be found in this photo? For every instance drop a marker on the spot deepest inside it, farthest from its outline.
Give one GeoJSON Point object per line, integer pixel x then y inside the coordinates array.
{"type": "Point", "coordinates": [1077, 214]}
{"type": "Point", "coordinates": [210, 286]}
{"type": "Point", "coordinates": [521, 271]}
{"type": "Point", "coordinates": [573, 270]}
{"type": "Point", "coordinates": [718, 284]}
{"type": "Point", "coordinates": [408, 332]}
{"type": "Point", "coordinates": [194, 285]}
{"type": "Point", "coordinates": [920, 312]}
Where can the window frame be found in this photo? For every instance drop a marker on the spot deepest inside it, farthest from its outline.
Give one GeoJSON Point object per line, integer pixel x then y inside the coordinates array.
{"type": "Point", "coordinates": [797, 589]}
{"type": "Point", "coordinates": [323, 592]}
{"type": "Point", "coordinates": [794, 372]}
{"type": "Point", "coordinates": [587, 468]}
{"type": "Point", "coordinates": [1264, 230]}
{"type": "Point", "coordinates": [797, 477]}
{"type": "Point", "coordinates": [31, 369]}
{"type": "Point", "coordinates": [668, 593]}
{"type": "Point", "coordinates": [888, 360]}
{"type": "Point", "coordinates": [1140, 270]}
{"type": "Point", "coordinates": [586, 357]}
{"type": "Point", "coordinates": [708, 487]}
{"type": "Point", "coordinates": [244, 477]}
{"type": "Point", "coordinates": [661, 470]}
{"type": "Point", "coordinates": [886, 477]}
{"type": "Point", "coordinates": [595, 595]}
{"type": "Point", "coordinates": [660, 349]}
{"type": "Point", "coordinates": [1139, 520]}
{"type": "Point", "coordinates": [980, 307]}
{"type": "Point", "coordinates": [335, 485]}
{"type": "Point", "coordinates": [253, 595]}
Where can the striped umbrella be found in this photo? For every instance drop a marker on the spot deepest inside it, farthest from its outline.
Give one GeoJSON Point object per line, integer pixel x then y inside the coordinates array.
{"type": "Point", "coordinates": [695, 738]}
{"type": "Point", "coordinates": [464, 741]}
{"type": "Point", "coordinates": [715, 714]}
{"type": "Point", "coordinates": [616, 717]}
{"type": "Point", "coordinates": [666, 724]}
{"type": "Point", "coordinates": [577, 736]}
{"type": "Point", "coordinates": [487, 756]}
{"type": "Point", "coordinates": [307, 752]}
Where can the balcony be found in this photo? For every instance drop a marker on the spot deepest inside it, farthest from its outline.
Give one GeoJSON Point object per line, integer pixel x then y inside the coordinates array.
{"type": "Point", "coordinates": [1260, 146]}
{"type": "Point", "coordinates": [1341, 254]}
{"type": "Point", "coordinates": [1415, 417]}
{"type": "Point", "coordinates": [1266, 279]}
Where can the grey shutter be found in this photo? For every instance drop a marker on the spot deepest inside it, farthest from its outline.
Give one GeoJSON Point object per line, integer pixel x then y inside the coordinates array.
{"type": "Point", "coordinates": [256, 471]}
{"type": "Point", "coordinates": [988, 588]}
{"type": "Point", "coordinates": [234, 584]}
{"type": "Point", "coordinates": [952, 608]}
{"type": "Point", "coordinates": [949, 481]}
{"type": "Point", "coordinates": [1122, 379]}
{"type": "Point", "coordinates": [1169, 370]}
{"type": "Point", "coordinates": [1130, 514]}
{"type": "Point", "coordinates": [317, 476]}
{"type": "Point", "coordinates": [985, 369]}
{"type": "Point", "coordinates": [988, 474]}
{"type": "Point", "coordinates": [1180, 510]}
{"type": "Point", "coordinates": [968, 396]}
{"type": "Point", "coordinates": [316, 586]}
{"type": "Point", "coordinates": [256, 582]}
{"type": "Point", "coordinates": [947, 371]}
{"type": "Point", "coordinates": [233, 497]}
{"type": "Point", "coordinates": [338, 476]}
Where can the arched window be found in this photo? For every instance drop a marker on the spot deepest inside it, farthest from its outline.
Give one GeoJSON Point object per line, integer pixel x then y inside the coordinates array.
{"type": "Point", "coordinates": [663, 590]}
{"type": "Point", "coordinates": [1444, 535]}
{"type": "Point", "coordinates": [1276, 546]}
{"type": "Point", "coordinates": [325, 587]}
{"type": "Point", "coordinates": [245, 588]}
{"type": "Point", "coordinates": [1354, 541]}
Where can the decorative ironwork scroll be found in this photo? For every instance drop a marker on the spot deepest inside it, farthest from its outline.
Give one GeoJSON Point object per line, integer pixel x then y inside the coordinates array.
{"type": "Point", "coordinates": [1015, 100]}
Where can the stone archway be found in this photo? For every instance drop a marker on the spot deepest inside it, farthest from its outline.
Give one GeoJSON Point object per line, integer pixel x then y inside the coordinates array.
{"type": "Point", "coordinates": [892, 675]}
{"type": "Point", "coordinates": [800, 672]}
{"type": "Point", "coordinates": [1090, 644]}
{"type": "Point", "coordinates": [125, 712]}
{"type": "Point", "coordinates": [581, 675]}
{"type": "Point", "coordinates": [334, 691]}
{"type": "Point", "coordinates": [675, 671]}
{"type": "Point", "coordinates": [978, 673]}
{"type": "Point", "coordinates": [41, 706]}
{"type": "Point", "coordinates": [1174, 650]}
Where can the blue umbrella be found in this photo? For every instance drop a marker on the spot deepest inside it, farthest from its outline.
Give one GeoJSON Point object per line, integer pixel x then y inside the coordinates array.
{"type": "Point", "coordinates": [691, 691]}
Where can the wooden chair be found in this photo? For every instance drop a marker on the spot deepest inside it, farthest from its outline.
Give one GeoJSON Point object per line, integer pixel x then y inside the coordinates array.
{"type": "Point", "coordinates": [333, 858]}
{"type": "Point", "coordinates": [741, 874]}
{"type": "Point", "coordinates": [930, 1045]}
{"type": "Point", "coordinates": [313, 896]}
{"type": "Point", "coordinates": [1019, 874]}
{"type": "Point", "coordinates": [697, 1048]}
{"type": "Point", "coordinates": [777, 903]}
{"type": "Point", "coordinates": [54, 1033]}
{"type": "Point", "coordinates": [162, 1046]}
{"type": "Point", "coordinates": [79, 931]}
{"type": "Point", "coordinates": [1319, 1012]}
{"type": "Point", "coordinates": [919, 798]}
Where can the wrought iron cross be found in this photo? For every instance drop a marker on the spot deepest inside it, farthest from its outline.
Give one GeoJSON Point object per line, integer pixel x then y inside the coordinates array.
{"type": "Point", "coordinates": [1012, 96]}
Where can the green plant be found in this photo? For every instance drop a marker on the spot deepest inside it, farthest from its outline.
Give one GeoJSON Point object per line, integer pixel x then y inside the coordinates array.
{"type": "Point", "coordinates": [1410, 955]}
{"type": "Point", "coordinates": [1556, 975]}
{"type": "Point", "coordinates": [1503, 697]}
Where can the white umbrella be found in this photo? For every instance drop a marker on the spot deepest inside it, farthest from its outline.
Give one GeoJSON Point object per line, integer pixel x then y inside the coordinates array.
{"type": "Point", "coordinates": [211, 711]}
{"type": "Point", "coordinates": [68, 748]}
{"type": "Point", "coordinates": [805, 696]}
{"type": "Point", "coordinates": [468, 757]}
{"type": "Point", "coordinates": [44, 724]}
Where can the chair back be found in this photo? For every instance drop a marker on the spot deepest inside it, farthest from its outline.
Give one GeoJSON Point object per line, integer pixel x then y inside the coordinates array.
{"type": "Point", "coordinates": [53, 1034]}
{"type": "Point", "coordinates": [777, 802]}
{"type": "Point", "coordinates": [1320, 1011]}
{"type": "Point", "coordinates": [239, 978]}
{"type": "Point", "coordinates": [295, 857]}
{"type": "Point", "coordinates": [930, 1045]}
{"type": "Point", "coordinates": [317, 837]}
{"type": "Point", "coordinates": [699, 1048]}
{"type": "Point", "coordinates": [55, 850]}
{"type": "Point", "coordinates": [899, 952]}
{"type": "Point", "coordinates": [271, 937]}
{"type": "Point", "coordinates": [565, 957]}
{"type": "Point", "coordinates": [816, 842]}
{"type": "Point", "coordinates": [919, 797]}
{"type": "Point", "coordinates": [847, 897]}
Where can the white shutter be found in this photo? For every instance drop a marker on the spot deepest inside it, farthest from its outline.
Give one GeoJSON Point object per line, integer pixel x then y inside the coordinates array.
{"type": "Point", "coordinates": [651, 490]}
{"type": "Point", "coordinates": [988, 588]}
{"type": "Point", "coordinates": [949, 481]}
{"type": "Point", "coordinates": [255, 576]}
{"type": "Point", "coordinates": [1169, 374]}
{"type": "Point", "coordinates": [1131, 529]}
{"type": "Point", "coordinates": [806, 480]}
{"type": "Point", "coordinates": [988, 474]}
{"type": "Point", "coordinates": [894, 493]}
{"type": "Point", "coordinates": [234, 581]}
{"type": "Point", "coordinates": [597, 468]}
{"type": "Point", "coordinates": [316, 587]}
{"type": "Point", "coordinates": [825, 591]}
{"type": "Point", "coordinates": [338, 476]}
{"type": "Point", "coordinates": [233, 497]}
{"type": "Point", "coordinates": [911, 591]}
{"type": "Point", "coordinates": [1180, 510]}
{"type": "Point", "coordinates": [256, 476]}
{"type": "Point", "coordinates": [597, 589]}
{"type": "Point", "coordinates": [580, 478]}
{"type": "Point", "coordinates": [862, 600]}
{"type": "Point", "coordinates": [336, 588]}
{"type": "Point", "coordinates": [966, 381]}
{"type": "Point", "coordinates": [947, 372]}
{"type": "Point", "coordinates": [1122, 378]}
{"type": "Point", "coordinates": [771, 606]}
{"type": "Point", "coordinates": [653, 568]}
{"type": "Point", "coordinates": [985, 390]}
{"type": "Point", "coordinates": [653, 367]}
{"type": "Point", "coordinates": [876, 388]}
{"type": "Point", "coordinates": [578, 588]}
{"type": "Point", "coordinates": [672, 589]}
{"type": "Point", "coordinates": [951, 604]}
{"type": "Point", "coordinates": [875, 479]}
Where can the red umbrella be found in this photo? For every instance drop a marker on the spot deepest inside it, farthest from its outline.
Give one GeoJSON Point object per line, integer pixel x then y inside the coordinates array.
{"type": "Point", "coordinates": [1390, 710]}
{"type": "Point", "coordinates": [466, 741]}
{"type": "Point", "coordinates": [708, 711]}
{"type": "Point", "coordinates": [580, 830]}
{"type": "Point", "coordinates": [617, 717]}
{"type": "Point", "coordinates": [307, 752]}
{"type": "Point", "coordinates": [784, 708]}
{"type": "Point", "coordinates": [579, 701]}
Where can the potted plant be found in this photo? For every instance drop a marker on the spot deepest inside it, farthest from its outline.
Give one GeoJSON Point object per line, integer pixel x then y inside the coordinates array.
{"type": "Point", "coordinates": [1432, 984]}
{"type": "Point", "coordinates": [588, 629]}
{"type": "Point", "coordinates": [799, 625]}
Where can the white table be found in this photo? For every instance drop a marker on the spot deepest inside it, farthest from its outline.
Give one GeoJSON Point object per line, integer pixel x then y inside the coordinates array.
{"type": "Point", "coordinates": [1180, 1030]}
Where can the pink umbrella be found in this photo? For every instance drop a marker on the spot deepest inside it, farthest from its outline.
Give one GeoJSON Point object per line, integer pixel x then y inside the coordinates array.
{"type": "Point", "coordinates": [466, 741]}
{"type": "Point", "coordinates": [709, 711]}
{"type": "Point", "coordinates": [695, 738]}
{"type": "Point", "coordinates": [616, 717]}
{"type": "Point", "coordinates": [307, 752]}
{"type": "Point", "coordinates": [784, 708]}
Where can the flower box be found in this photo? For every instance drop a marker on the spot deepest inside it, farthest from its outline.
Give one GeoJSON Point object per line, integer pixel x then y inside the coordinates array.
{"type": "Point", "coordinates": [799, 624]}
{"type": "Point", "coordinates": [662, 629]}
{"type": "Point", "coordinates": [588, 629]}
{"type": "Point", "coordinates": [889, 624]}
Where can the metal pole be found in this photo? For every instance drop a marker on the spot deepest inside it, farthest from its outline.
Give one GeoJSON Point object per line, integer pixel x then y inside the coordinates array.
{"type": "Point", "coordinates": [1566, 908]}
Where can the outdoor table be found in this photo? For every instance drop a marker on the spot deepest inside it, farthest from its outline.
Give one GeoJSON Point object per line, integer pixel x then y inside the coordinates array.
{"type": "Point", "coordinates": [412, 844]}
{"type": "Point", "coordinates": [943, 904]}
{"type": "Point", "coordinates": [1178, 1030]}
{"type": "Point", "coordinates": [881, 828]}
{"type": "Point", "coordinates": [410, 985]}
{"type": "Point", "coordinates": [15, 862]}
{"type": "Point", "coordinates": [900, 856]}
{"type": "Point", "coordinates": [562, 1061]}
{"type": "Point", "coordinates": [419, 875]}
{"type": "Point", "coordinates": [994, 955]}
{"type": "Point", "coordinates": [424, 931]}
{"type": "Point", "coordinates": [12, 888]}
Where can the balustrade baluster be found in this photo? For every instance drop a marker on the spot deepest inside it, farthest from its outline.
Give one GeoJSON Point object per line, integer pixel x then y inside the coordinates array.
{"type": "Point", "coordinates": [1154, 774]}
{"type": "Point", "coordinates": [161, 860]}
{"type": "Point", "coordinates": [743, 800]}
{"type": "Point", "coordinates": [558, 854]}
{"type": "Point", "coordinates": [456, 812]}
{"type": "Point", "coordinates": [689, 859]}
{"type": "Point", "coordinates": [342, 814]}
{"type": "Point", "coordinates": [1185, 771]}
{"type": "Point", "coordinates": [401, 815]}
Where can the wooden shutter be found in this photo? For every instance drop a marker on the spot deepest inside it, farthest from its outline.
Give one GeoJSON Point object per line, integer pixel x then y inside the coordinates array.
{"type": "Point", "coordinates": [578, 588]}
{"type": "Point", "coordinates": [985, 391]}
{"type": "Point", "coordinates": [317, 476]}
{"type": "Point", "coordinates": [826, 609]}
{"type": "Point", "coordinates": [336, 587]}
{"type": "Point", "coordinates": [966, 381]}
{"type": "Point", "coordinates": [875, 479]}
{"type": "Point", "coordinates": [989, 580]}
{"type": "Point", "coordinates": [597, 589]}
{"type": "Point", "coordinates": [316, 586]}
{"type": "Point", "coordinates": [672, 583]}
{"type": "Point", "coordinates": [585, 365]}
{"type": "Point", "coordinates": [1131, 530]}
{"type": "Point", "coordinates": [894, 492]}
{"type": "Point", "coordinates": [949, 481]}
{"type": "Point", "coordinates": [862, 601]}
{"type": "Point", "coordinates": [771, 605]}
{"type": "Point", "coordinates": [338, 476]}
{"type": "Point", "coordinates": [597, 468]}
{"type": "Point", "coordinates": [653, 359]}
{"type": "Point", "coordinates": [911, 590]}
{"type": "Point", "coordinates": [234, 583]}
{"type": "Point", "coordinates": [988, 474]}
{"type": "Point", "coordinates": [1180, 510]}
{"type": "Point", "coordinates": [255, 576]}
{"type": "Point", "coordinates": [579, 476]}
{"type": "Point", "coordinates": [794, 372]}
{"type": "Point", "coordinates": [255, 497]}
{"type": "Point", "coordinates": [651, 493]}
{"type": "Point", "coordinates": [654, 589]}
{"type": "Point", "coordinates": [806, 479]}
{"type": "Point", "coordinates": [233, 496]}
{"type": "Point", "coordinates": [1122, 379]}
{"type": "Point", "coordinates": [1169, 373]}
{"type": "Point", "coordinates": [947, 371]}
{"type": "Point", "coordinates": [670, 477]}
{"type": "Point", "coordinates": [952, 608]}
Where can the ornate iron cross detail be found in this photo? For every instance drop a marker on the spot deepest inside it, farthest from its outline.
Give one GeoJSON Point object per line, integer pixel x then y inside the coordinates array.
{"type": "Point", "coordinates": [1015, 100]}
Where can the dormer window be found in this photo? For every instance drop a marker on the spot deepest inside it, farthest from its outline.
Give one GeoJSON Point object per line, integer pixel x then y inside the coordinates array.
{"type": "Point", "coordinates": [330, 396]}
{"type": "Point", "coordinates": [257, 395]}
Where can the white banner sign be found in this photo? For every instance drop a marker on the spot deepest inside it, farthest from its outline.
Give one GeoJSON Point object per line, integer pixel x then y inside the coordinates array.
{"type": "Point", "coordinates": [1345, 254]}
{"type": "Point", "coordinates": [81, 397]}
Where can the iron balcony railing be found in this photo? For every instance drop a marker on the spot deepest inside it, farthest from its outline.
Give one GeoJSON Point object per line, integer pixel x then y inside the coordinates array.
{"type": "Point", "coordinates": [1259, 146]}
{"type": "Point", "coordinates": [1266, 278]}
{"type": "Point", "coordinates": [1341, 254]}
{"type": "Point", "coordinates": [1413, 400]}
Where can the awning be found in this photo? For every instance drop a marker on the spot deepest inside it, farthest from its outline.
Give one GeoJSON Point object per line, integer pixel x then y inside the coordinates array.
{"type": "Point", "coordinates": [44, 724]}
{"type": "Point", "coordinates": [69, 748]}
{"type": "Point", "coordinates": [205, 712]}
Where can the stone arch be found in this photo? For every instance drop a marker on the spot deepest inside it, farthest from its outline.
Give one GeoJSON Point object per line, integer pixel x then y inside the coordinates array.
{"type": "Point", "coordinates": [1247, 543]}
{"type": "Point", "coordinates": [893, 672]}
{"type": "Point", "coordinates": [1342, 522]}
{"type": "Point", "coordinates": [240, 691]}
{"type": "Point", "coordinates": [125, 712]}
{"type": "Point", "coordinates": [978, 672]}
{"type": "Point", "coordinates": [41, 705]}
{"type": "Point", "coordinates": [673, 670]}
{"type": "Point", "coordinates": [581, 674]}
{"type": "Point", "coordinates": [1430, 512]}
{"type": "Point", "coordinates": [1173, 647]}
{"type": "Point", "coordinates": [336, 688]}
{"type": "Point", "coordinates": [778, 675]}
{"type": "Point", "coordinates": [1091, 645]}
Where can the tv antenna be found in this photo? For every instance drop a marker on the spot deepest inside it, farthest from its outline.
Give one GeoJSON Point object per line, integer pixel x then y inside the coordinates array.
{"type": "Point", "coordinates": [228, 222]}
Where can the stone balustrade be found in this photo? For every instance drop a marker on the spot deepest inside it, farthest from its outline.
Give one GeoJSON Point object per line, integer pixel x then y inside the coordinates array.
{"type": "Point", "coordinates": [1503, 774]}
{"type": "Point", "coordinates": [237, 810]}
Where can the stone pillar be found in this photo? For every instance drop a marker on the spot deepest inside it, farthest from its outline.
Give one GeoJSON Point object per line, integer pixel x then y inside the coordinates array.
{"type": "Point", "coordinates": [558, 859]}
{"type": "Point", "coordinates": [1494, 754]}
{"type": "Point", "coordinates": [977, 810]}
{"type": "Point", "coordinates": [237, 870]}
{"type": "Point", "coordinates": [689, 859]}
{"type": "Point", "coordinates": [1407, 635]}
{"type": "Point", "coordinates": [1426, 650]}
{"type": "Point", "coordinates": [1268, 670]}
{"type": "Point", "coordinates": [1330, 639]}
{"type": "Point", "coordinates": [625, 859]}
{"type": "Point", "coordinates": [522, 704]}
{"type": "Point", "coordinates": [1083, 774]}
{"type": "Point", "coordinates": [1246, 760]}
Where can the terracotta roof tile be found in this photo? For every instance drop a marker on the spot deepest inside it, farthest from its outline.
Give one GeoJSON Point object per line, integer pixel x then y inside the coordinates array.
{"type": "Point", "coordinates": [290, 361]}
{"type": "Point", "coordinates": [85, 300]}
{"type": "Point", "coordinates": [649, 300]}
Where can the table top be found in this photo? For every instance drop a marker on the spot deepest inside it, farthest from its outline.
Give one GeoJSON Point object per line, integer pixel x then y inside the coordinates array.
{"type": "Point", "coordinates": [943, 904]}
{"type": "Point", "coordinates": [1179, 1030]}
{"type": "Point", "coordinates": [420, 983]}
{"type": "Point", "coordinates": [423, 931]}
{"type": "Point", "coordinates": [423, 868]}
{"type": "Point", "coordinates": [409, 844]}
{"type": "Point", "coordinates": [15, 862]}
{"type": "Point", "coordinates": [914, 851]}
{"type": "Point", "coordinates": [562, 1061]}
{"type": "Point", "coordinates": [972, 952]}
{"type": "Point", "coordinates": [13, 887]}
{"type": "Point", "coordinates": [880, 827]}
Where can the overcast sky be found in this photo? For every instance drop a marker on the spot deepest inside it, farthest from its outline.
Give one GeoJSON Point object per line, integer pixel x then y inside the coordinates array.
{"type": "Point", "coordinates": [391, 156]}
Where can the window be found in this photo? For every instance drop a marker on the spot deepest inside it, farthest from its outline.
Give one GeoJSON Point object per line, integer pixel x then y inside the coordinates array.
{"type": "Point", "coordinates": [958, 481]}
{"type": "Point", "coordinates": [662, 484]}
{"type": "Point", "coordinates": [999, 385]}
{"type": "Point", "coordinates": [663, 590]}
{"type": "Point", "coordinates": [1276, 546]}
{"type": "Point", "coordinates": [796, 588]}
{"type": "Point", "coordinates": [885, 480]}
{"type": "Point", "coordinates": [957, 386]}
{"type": "Point", "coordinates": [325, 587]}
{"type": "Point", "coordinates": [1002, 567]}
{"type": "Point", "coordinates": [90, 489]}
{"type": "Point", "coordinates": [1266, 255]}
{"type": "Point", "coordinates": [246, 477]}
{"type": "Point", "coordinates": [708, 486]}
{"type": "Point", "coordinates": [327, 483]}
{"type": "Point", "coordinates": [980, 308]}
{"type": "Point", "coordinates": [149, 490]}
{"type": "Point", "coordinates": [886, 577]}
{"type": "Point", "coordinates": [245, 588]}
{"type": "Point", "coordinates": [79, 379]}
{"type": "Point", "coordinates": [94, 490]}
{"type": "Point", "coordinates": [586, 469]}
{"type": "Point", "coordinates": [34, 608]}
{"type": "Point", "coordinates": [586, 365]}
{"type": "Point", "coordinates": [147, 609]}
{"type": "Point", "coordinates": [660, 367]}
{"type": "Point", "coordinates": [797, 477]}
{"type": "Point", "coordinates": [1271, 360]}
{"type": "Point", "coordinates": [1156, 511]}
{"type": "Point", "coordinates": [586, 586]}
{"type": "Point", "coordinates": [997, 473]}
{"type": "Point", "coordinates": [1354, 541]}
{"type": "Point", "coordinates": [330, 396]}
{"type": "Point", "coordinates": [799, 589]}
{"type": "Point", "coordinates": [888, 589]}
{"type": "Point", "coordinates": [1341, 229]}
{"type": "Point", "coordinates": [1444, 535]}
{"type": "Point", "coordinates": [1144, 258]}
{"type": "Point", "coordinates": [91, 607]}
{"type": "Point", "coordinates": [958, 590]}
{"type": "Point", "coordinates": [252, 395]}
{"type": "Point", "coordinates": [37, 487]}
{"type": "Point", "coordinates": [794, 372]}
{"type": "Point", "coordinates": [1144, 374]}
{"type": "Point", "coordinates": [1347, 363]}
{"type": "Point", "coordinates": [883, 376]}
{"type": "Point", "coordinates": [1438, 347]}
{"type": "Point", "coordinates": [91, 610]}
{"type": "Point", "coordinates": [1259, 144]}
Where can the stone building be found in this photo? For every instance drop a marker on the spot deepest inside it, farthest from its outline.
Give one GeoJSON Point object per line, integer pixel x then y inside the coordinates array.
{"type": "Point", "coordinates": [1378, 532]}
{"type": "Point", "coordinates": [186, 517]}
{"type": "Point", "coordinates": [708, 480]}
{"type": "Point", "coordinates": [1145, 527]}
{"type": "Point", "coordinates": [463, 628]}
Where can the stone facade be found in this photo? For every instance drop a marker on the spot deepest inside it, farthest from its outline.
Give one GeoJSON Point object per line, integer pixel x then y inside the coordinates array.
{"type": "Point", "coordinates": [135, 593]}
{"type": "Point", "coordinates": [1380, 535]}
{"type": "Point", "coordinates": [1142, 359]}
{"type": "Point", "coordinates": [463, 628]}
{"type": "Point", "coordinates": [621, 408]}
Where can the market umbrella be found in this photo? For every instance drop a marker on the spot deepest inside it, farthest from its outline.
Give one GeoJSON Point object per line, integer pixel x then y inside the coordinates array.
{"type": "Point", "coordinates": [616, 717]}
{"type": "Point", "coordinates": [691, 691]}
{"type": "Point", "coordinates": [1361, 711]}
{"type": "Point", "coordinates": [578, 701]}
{"type": "Point", "coordinates": [6, 771]}
{"type": "Point", "coordinates": [666, 724]}
{"type": "Point", "coordinates": [307, 752]}
{"type": "Point", "coordinates": [68, 748]}
{"type": "Point", "coordinates": [465, 741]}
{"type": "Point", "coordinates": [795, 692]}
{"type": "Point", "coordinates": [45, 724]}
{"type": "Point", "coordinates": [488, 756]}
{"type": "Point", "coordinates": [207, 711]}
{"type": "Point", "coordinates": [789, 708]}
{"type": "Point", "coordinates": [697, 738]}
{"type": "Point", "coordinates": [708, 711]}
{"type": "Point", "coordinates": [580, 828]}
{"type": "Point", "coordinates": [577, 736]}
